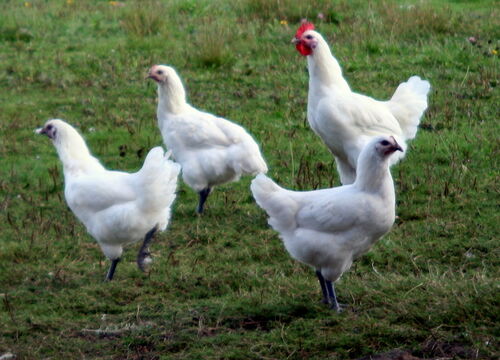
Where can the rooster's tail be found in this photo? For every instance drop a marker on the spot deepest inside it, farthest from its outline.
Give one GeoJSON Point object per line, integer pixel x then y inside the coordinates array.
{"type": "Point", "coordinates": [409, 103]}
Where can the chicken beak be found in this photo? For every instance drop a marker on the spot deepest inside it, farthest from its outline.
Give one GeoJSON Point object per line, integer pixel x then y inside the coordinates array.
{"type": "Point", "coordinates": [151, 75]}
{"type": "Point", "coordinates": [396, 146]}
{"type": "Point", "coordinates": [50, 133]}
{"type": "Point", "coordinates": [295, 41]}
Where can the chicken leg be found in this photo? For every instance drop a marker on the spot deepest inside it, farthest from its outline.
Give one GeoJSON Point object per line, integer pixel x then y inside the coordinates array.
{"type": "Point", "coordinates": [112, 269]}
{"type": "Point", "coordinates": [144, 250]}
{"type": "Point", "coordinates": [323, 287]}
{"type": "Point", "coordinates": [203, 197]}
{"type": "Point", "coordinates": [328, 290]}
{"type": "Point", "coordinates": [333, 297]}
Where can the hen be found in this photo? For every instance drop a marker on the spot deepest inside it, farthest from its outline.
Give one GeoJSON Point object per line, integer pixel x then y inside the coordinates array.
{"type": "Point", "coordinates": [346, 120]}
{"type": "Point", "coordinates": [328, 229]}
{"type": "Point", "coordinates": [211, 150]}
{"type": "Point", "coordinates": [117, 208]}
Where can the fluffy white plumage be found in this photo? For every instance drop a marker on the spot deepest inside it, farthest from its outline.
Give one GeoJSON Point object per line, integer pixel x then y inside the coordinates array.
{"type": "Point", "coordinates": [117, 208]}
{"type": "Point", "coordinates": [346, 120]}
{"type": "Point", "coordinates": [211, 150]}
{"type": "Point", "coordinates": [328, 229]}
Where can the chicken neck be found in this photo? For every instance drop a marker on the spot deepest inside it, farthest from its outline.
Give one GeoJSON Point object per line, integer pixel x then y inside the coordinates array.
{"type": "Point", "coordinates": [172, 96]}
{"type": "Point", "coordinates": [75, 155]}
{"type": "Point", "coordinates": [373, 175]}
{"type": "Point", "coordinates": [324, 68]}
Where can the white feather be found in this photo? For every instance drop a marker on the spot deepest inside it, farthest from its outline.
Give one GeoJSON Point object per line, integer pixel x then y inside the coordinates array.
{"type": "Point", "coordinates": [328, 229]}
{"type": "Point", "coordinates": [346, 121]}
{"type": "Point", "coordinates": [117, 208]}
{"type": "Point", "coordinates": [211, 150]}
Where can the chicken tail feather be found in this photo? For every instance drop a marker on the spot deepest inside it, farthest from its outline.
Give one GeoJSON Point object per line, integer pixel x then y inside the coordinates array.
{"type": "Point", "coordinates": [276, 201]}
{"type": "Point", "coordinates": [409, 103]}
{"type": "Point", "coordinates": [158, 177]}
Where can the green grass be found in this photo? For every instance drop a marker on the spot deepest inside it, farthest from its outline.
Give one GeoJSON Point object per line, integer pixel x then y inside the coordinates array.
{"type": "Point", "coordinates": [222, 285]}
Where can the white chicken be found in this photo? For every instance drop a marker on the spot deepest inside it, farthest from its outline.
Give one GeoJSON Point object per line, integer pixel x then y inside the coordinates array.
{"type": "Point", "coordinates": [346, 120]}
{"type": "Point", "coordinates": [211, 150]}
{"type": "Point", "coordinates": [328, 229]}
{"type": "Point", "coordinates": [117, 208]}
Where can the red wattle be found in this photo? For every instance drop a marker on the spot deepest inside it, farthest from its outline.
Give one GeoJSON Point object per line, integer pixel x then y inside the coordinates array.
{"type": "Point", "coordinates": [303, 49]}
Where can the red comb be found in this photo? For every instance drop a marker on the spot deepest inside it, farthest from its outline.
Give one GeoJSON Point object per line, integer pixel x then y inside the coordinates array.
{"type": "Point", "coordinates": [303, 28]}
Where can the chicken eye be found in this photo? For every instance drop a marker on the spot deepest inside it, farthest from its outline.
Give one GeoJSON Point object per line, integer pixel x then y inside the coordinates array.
{"type": "Point", "coordinates": [49, 127]}
{"type": "Point", "coordinates": [309, 37]}
{"type": "Point", "coordinates": [385, 142]}
{"type": "Point", "coordinates": [159, 72]}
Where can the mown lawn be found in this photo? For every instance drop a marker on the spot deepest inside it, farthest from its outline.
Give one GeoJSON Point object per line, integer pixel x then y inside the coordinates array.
{"type": "Point", "coordinates": [222, 285]}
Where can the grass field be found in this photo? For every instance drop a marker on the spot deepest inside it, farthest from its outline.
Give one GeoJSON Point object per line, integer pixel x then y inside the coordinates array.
{"type": "Point", "coordinates": [222, 285]}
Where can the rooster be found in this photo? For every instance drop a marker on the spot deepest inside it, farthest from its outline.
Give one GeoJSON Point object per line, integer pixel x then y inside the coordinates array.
{"type": "Point", "coordinates": [117, 208]}
{"type": "Point", "coordinates": [211, 150]}
{"type": "Point", "coordinates": [328, 229]}
{"type": "Point", "coordinates": [346, 120]}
